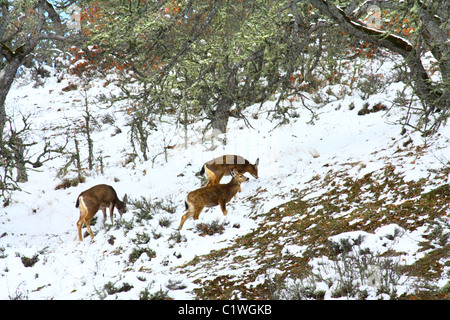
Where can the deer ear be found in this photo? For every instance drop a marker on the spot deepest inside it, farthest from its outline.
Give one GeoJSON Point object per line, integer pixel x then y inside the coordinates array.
{"type": "Point", "coordinates": [257, 162]}
{"type": "Point", "coordinates": [125, 199]}
{"type": "Point", "coordinates": [233, 172]}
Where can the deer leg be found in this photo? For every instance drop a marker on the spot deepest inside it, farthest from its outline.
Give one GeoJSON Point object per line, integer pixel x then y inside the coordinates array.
{"type": "Point", "coordinates": [216, 179]}
{"type": "Point", "coordinates": [82, 219]}
{"type": "Point", "coordinates": [208, 181]}
{"type": "Point", "coordinates": [88, 226]}
{"type": "Point", "coordinates": [186, 215]}
{"type": "Point", "coordinates": [79, 226]}
{"type": "Point", "coordinates": [209, 176]}
{"type": "Point", "coordinates": [104, 215]}
{"type": "Point", "coordinates": [111, 209]}
{"type": "Point", "coordinates": [197, 212]}
{"type": "Point", "coordinates": [212, 179]}
{"type": "Point", "coordinates": [223, 207]}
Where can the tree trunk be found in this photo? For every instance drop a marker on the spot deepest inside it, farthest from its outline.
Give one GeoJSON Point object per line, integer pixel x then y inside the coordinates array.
{"type": "Point", "coordinates": [19, 159]}
{"type": "Point", "coordinates": [219, 118]}
{"type": "Point", "coordinates": [7, 76]}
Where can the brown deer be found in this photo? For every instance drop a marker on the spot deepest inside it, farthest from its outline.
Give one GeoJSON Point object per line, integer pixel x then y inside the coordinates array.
{"type": "Point", "coordinates": [222, 166]}
{"type": "Point", "coordinates": [101, 196]}
{"type": "Point", "coordinates": [213, 195]}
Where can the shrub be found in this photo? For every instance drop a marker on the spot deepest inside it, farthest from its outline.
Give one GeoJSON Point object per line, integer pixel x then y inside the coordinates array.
{"type": "Point", "coordinates": [211, 228]}
{"type": "Point", "coordinates": [137, 252]}
{"type": "Point", "coordinates": [141, 238]}
{"type": "Point", "coordinates": [144, 209]}
{"type": "Point", "coordinates": [111, 289]}
{"type": "Point", "coordinates": [176, 237]}
{"type": "Point", "coordinates": [29, 262]}
{"type": "Point", "coordinates": [158, 295]}
{"type": "Point", "coordinates": [165, 222]}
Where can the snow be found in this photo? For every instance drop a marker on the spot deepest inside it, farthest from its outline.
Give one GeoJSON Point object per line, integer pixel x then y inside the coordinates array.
{"type": "Point", "coordinates": [42, 221]}
{"type": "Point", "coordinates": [389, 237]}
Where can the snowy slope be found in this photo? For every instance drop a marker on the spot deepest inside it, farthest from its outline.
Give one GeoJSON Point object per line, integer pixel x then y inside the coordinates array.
{"type": "Point", "coordinates": [41, 221]}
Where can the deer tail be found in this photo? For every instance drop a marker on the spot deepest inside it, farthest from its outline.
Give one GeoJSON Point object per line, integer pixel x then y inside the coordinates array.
{"type": "Point", "coordinates": [201, 172]}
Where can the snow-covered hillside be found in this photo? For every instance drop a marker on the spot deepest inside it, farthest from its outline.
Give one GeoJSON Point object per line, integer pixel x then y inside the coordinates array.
{"type": "Point", "coordinates": [40, 221]}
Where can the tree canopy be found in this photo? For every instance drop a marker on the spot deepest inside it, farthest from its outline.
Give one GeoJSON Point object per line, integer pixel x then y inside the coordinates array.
{"type": "Point", "coordinates": [215, 58]}
{"type": "Point", "coordinates": [211, 59]}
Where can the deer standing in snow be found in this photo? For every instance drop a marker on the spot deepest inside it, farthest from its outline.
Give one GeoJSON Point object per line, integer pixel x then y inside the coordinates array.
{"type": "Point", "coordinates": [101, 196]}
{"type": "Point", "coordinates": [212, 195]}
{"type": "Point", "coordinates": [216, 168]}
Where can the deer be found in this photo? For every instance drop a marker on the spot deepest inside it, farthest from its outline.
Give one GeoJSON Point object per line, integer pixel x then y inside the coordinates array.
{"type": "Point", "coordinates": [101, 196]}
{"type": "Point", "coordinates": [216, 168]}
{"type": "Point", "coordinates": [211, 196]}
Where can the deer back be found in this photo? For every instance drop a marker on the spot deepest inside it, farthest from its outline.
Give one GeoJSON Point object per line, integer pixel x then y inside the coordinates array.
{"type": "Point", "coordinates": [221, 166]}
{"type": "Point", "coordinates": [102, 196]}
